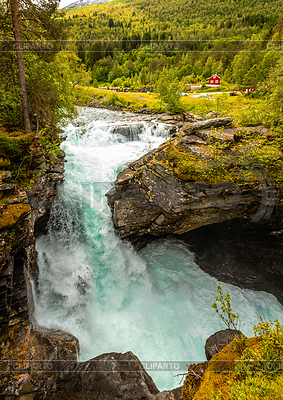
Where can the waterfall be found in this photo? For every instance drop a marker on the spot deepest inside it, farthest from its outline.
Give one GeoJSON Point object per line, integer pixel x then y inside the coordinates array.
{"type": "Point", "coordinates": [156, 303]}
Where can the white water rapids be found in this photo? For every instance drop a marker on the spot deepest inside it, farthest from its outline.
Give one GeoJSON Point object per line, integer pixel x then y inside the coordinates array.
{"type": "Point", "coordinates": [155, 303]}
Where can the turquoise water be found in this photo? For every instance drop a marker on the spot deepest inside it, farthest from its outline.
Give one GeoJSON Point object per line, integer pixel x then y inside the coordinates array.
{"type": "Point", "coordinates": [156, 303]}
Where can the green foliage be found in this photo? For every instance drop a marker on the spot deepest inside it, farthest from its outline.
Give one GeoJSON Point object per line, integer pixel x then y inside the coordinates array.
{"type": "Point", "coordinates": [222, 306]}
{"type": "Point", "coordinates": [115, 99]}
{"type": "Point", "coordinates": [271, 340]}
{"type": "Point", "coordinates": [72, 67]}
{"type": "Point", "coordinates": [169, 91]}
{"type": "Point", "coordinates": [82, 96]}
{"type": "Point", "coordinates": [50, 92]}
{"type": "Point", "coordinates": [260, 364]}
{"type": "Point", "coordinates": [256, 387]}
{"type": "Point", "coordinates": [250, 116]}
{"type": "Point", "coordinates": [139, 173]}
{"type": "Point", "coordinates": [206, 105]}
{"type": "Point", "coordinates": [240, 344]}
{"type": "Point", "coordinates": [136, 39]}
{"type": "Point", "coordinates": [274, 98]}
{"type": "Point", "coordinates": [15, 143]}
{"type": "Point", "coordinates": [49, 143]}
{"type": "Point", "coordinates": [9, 107]}
{"type": "Point", "coordinates": [22, 174]}
{"type": "Point", "coordinates": [47, 74]}
{"type": "Point", "coordinates": [210, 103]}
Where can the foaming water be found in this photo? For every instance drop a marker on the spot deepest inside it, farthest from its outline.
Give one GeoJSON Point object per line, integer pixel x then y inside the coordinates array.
{"type": "Point", "coordinates": [157, 303]}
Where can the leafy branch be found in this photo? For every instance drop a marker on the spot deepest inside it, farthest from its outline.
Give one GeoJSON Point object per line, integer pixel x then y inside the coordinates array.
{"type": "Point", "coordinates": [222, 305]}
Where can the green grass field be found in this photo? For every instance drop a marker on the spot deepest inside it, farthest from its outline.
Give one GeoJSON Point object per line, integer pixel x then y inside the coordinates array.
{"type": "Point", "coordinates": [245, 110]}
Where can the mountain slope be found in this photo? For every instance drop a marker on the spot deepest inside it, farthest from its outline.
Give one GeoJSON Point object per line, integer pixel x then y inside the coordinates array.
{"type": "Point", "coordinates": [120, 39]}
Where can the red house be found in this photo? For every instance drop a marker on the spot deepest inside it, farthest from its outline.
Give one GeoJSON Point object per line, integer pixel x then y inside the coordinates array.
{"type": "Point", "coordinates": [114, 89]}
{"type": "Point", "coordinates": [214, 80]}
{"type": "Point", "coordinates": [127, 89]}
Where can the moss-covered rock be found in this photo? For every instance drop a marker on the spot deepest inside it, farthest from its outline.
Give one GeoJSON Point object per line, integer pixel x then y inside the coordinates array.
{"type": "Point", "coordinates": [193, 380]}
{"type": "Point", "coordinates": [221, 379]}
{"type": "Point", "coordinates": [12, 213]}
{"type": "Point", "coordinates": [5, 176]}
{"type": "Point", "coordinates": [4, 162]}
{"type": "Point", "coordinates": [15, 143]}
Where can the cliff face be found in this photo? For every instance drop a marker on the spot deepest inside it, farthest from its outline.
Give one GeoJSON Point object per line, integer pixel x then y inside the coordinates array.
{"type": "Point", "coordinates": [21, 214]}
{"type": "Point", "coordinates": [205, 179]}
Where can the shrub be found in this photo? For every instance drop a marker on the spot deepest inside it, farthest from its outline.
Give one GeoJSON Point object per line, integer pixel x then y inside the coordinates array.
{"type": "Point", "coordinates": [15, 143]}
{"type": "Point", "coordinates": [9, 108]}
{"type": "Point", "coordinates": [115, 99]}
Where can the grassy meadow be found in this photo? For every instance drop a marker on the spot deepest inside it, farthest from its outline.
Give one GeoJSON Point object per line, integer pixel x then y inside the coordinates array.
{"type": "Point", "coordinates": [244, 109]}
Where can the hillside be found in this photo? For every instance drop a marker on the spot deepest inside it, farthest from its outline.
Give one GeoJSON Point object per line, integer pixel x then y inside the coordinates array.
{"type": "Point", "coordinates": [135, 39]}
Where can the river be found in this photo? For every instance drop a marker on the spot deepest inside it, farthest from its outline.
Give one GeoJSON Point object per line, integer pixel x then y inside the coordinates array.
{"type": "Point", "coordinates": [155, 303]}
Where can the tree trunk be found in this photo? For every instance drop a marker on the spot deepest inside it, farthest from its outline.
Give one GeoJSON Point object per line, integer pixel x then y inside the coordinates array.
{"type": "Point", "coordinates": [21, 65]}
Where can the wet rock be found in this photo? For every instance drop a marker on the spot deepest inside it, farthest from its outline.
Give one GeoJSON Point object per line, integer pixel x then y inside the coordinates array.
{"type": "Point", "coordinates": [170, 121]}
{"type": "Point", "coordinates": [156, 202]}
{"type": "Point", "coordinates": [106, 377]}
{"type": "Point", "coordinates": [52, 373]}
{"type": "Point", "coordinates": [130, 131]}
{"type": "Point", "coordinates": [243, 253]}
{"type": "Point", "coordinates": [172, 129]}
{"type": "Point", "coordinates": [216, 342]}
{"type": "Point", "coordinates": [44, 191]}
{"type": "Point", "coordinates": [125, 176]}
{"type": "Point", "coordinates": [197, 150]}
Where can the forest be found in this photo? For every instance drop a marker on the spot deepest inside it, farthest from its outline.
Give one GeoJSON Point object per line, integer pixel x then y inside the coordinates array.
{"type": "Point", "coordinates": [136, 44]}
{"type": "Point", "coordinates": [129, 43]}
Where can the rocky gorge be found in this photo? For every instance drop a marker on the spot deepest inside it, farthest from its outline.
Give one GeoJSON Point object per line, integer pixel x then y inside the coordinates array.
{"type": "Point", "coordinates": [150, 199]}
{"type": "Point", "coordinates": [36, 362]}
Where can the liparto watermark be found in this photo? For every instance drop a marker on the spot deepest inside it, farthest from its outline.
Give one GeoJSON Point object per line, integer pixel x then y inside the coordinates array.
{"type": "Point", "coordinates": [110, 365]}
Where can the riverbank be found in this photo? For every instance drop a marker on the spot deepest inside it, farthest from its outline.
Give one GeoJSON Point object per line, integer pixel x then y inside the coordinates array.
{"type": "Point", "coordinates": [243, 109]}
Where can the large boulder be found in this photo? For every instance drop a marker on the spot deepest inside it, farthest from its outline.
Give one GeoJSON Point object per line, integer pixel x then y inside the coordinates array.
{"type": "Point", "coordinates": [216, 342]}
{"type": "Point", "coordinates": [172, 190]}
